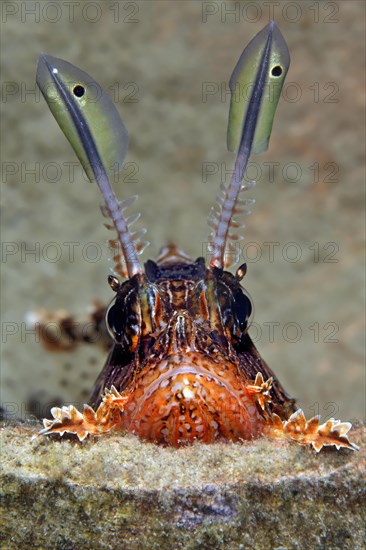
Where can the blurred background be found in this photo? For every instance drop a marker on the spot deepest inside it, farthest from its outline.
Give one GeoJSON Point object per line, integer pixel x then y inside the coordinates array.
{"type": "Point", "coordinates": [167, 65]}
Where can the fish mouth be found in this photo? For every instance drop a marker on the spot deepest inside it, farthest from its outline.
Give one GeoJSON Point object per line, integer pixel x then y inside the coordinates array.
{"type": "Point", "coordinates": [174, 373]}
{"type": "Point", "coordinates": [187, 398]}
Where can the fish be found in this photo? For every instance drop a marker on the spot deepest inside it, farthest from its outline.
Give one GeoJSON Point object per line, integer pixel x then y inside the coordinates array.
{"type": "Point", "coordinates": [181, 365]}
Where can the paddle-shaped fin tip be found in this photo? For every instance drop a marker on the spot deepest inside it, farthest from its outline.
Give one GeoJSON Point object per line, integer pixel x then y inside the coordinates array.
{"type": "Point", "coordinates": [255, 86]}
{"type": "Point", "coordinates": [75, 98]}
{"type": "Point", "coordinates": [92, 125]}
{"type": "Point", "coordinates": [268, 49]}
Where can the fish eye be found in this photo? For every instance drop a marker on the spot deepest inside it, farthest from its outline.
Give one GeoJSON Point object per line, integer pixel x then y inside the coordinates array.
{"type": "Point", "coordinates": [115, 322]}
{"type": "Point", "coordinates": [123, 319]}
{"type": "Point", "coordinates": [235, 306]}
{"type": "Point", "coordinates": [78, 90]}
{"type": "Point", "coordinates": [242, 310]}
{"type": "Point", "coordinates": [276, 71]}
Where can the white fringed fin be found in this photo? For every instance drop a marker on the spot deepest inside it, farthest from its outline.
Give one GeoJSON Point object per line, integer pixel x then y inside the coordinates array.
{"type": "Point", "coordinates": [120, 267]}
{"type": "Point", "coordinates": [242, 207]}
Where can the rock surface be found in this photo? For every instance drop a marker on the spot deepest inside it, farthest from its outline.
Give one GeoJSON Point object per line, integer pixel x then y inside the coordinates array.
{"type": "Point", "coordinates": [117, 492]}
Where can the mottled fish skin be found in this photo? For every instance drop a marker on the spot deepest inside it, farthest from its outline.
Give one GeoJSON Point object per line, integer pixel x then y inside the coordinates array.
{"type": "Point", "coordinates": [187, 382]}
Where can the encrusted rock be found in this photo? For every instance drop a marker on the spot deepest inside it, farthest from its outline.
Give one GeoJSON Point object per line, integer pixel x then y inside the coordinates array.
{"type": "Point", "coordinates": [117, 492]}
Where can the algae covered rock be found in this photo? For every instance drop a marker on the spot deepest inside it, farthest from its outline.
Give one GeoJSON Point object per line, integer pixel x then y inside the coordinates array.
{"type": "Point", "coordinates": [117, 492]}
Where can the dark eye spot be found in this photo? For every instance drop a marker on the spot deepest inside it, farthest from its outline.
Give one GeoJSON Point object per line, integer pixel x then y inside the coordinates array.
{"type": "Point", "coordinates": [116, 322]}
{"type": "Point", "coordinates": [78, 90]}
{"type": "Point", "coordinates": [242, 309]}
{"type": "Point", "coordinates": [276, 71]}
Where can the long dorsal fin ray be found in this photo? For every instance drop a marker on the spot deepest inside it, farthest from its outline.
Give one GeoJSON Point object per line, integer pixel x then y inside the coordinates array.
{"type": "Point", "coordinates": [91, 123]}
{"type": "Point", "coordinates": [255, 85]}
